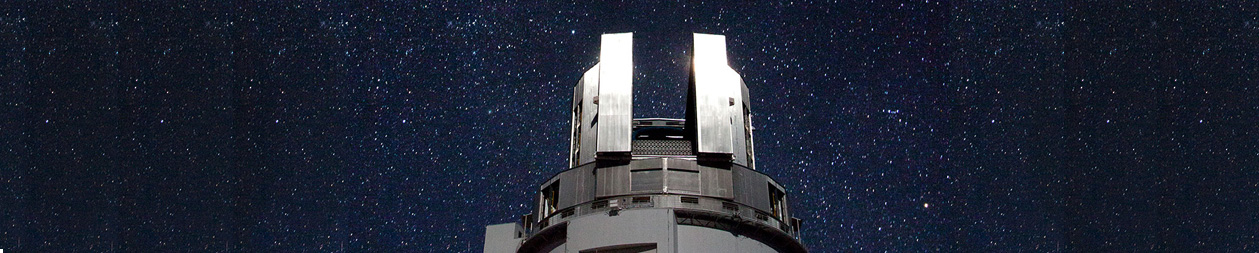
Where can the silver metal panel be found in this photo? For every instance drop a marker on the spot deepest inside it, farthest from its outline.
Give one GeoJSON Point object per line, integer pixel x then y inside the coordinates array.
{"type": "Point", "coordinates": [568, 190]}
{"type": "Point", "coordinates": [750, 127]}
{"type": "Point", "coordinates": [613, 180]}
{"type": "Point", "coordinates": [647, 164]}
{"type": "Point", "coordinates": [585, 184]}
{"type": "Point", "coordinates": [579, 92]}
{"type": "Point", "coordinates": [717, 182]}
{"type": "Point", "coordinates": [683, 181]}
{"type": "Point", "coordinates": [712, 93]}
{"type": "Point", "coordinates": [750, 188]}
{"type": "Point", "coordinates": [589, 90]}
{"type": "Point", "coordinates": [616, 67]}
{"type": "Point", "coordinates": [646, 180]}
{"type": "Point", "coordinates": [653, 163]}
{"type": "Point", "coordinates": [576, 186]}
{"type": "Point", "coordinates": [738, 135]}
{"type": "Point", "coordinates": [577, 124]}
{"type": "Point", "coordinates": [580, 119]}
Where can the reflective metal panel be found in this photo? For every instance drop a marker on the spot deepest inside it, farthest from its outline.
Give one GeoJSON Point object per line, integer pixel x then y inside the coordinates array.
{"type": "Point", "coordinates": [713, 91]}
{"type": "Point", "coordinates": [612, 180]}
{"type": "Point", "coordinates": [646, 180]}
{"type": "Point", "coordinates": [739, 135]}
{"type": "Point", "coordinates": [749, 187]}
{"type": "Point", "coordinates": [588, 90]}
{"type": "Point", "coordinates": [683, 181]}
{"type": "Point", "coordinates": [615, 101]}
{"type": "Point", "coordinates": [748, 127]}
{"type": "Point", "coordinates": [577, 124]}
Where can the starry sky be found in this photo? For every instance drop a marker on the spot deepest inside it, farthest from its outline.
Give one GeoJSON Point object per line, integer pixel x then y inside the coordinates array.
{"type": "Point", "coordinates": [903, 126]}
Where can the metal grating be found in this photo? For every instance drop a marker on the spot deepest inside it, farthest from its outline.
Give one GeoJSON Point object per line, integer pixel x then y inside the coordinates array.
{"type": "Point", "coordinates": [662, 147]}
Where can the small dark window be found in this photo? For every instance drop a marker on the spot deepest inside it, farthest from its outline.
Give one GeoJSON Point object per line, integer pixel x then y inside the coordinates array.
{"type": "Point", "coordinates": [642, 200]}
{"type": "Point", "coordinates": [567, 212]}
{"type": "Point", "coordinates": [762, 216]}
{"type": "Point", "coordinates": [599, 204]}
{"type": "Point", "coordinates": [729, 206]}
{"type": "Point", "coordinates": [690, 200]}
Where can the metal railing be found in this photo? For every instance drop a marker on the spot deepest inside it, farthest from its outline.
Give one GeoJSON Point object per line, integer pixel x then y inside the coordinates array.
{"type": "Point", "coordinates": [731, 209]}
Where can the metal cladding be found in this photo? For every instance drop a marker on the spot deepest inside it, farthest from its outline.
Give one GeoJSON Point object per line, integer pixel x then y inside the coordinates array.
{"type": "Point", "coordinates": [583, 133]}
{"type": "Point", "coordinates": [603, 104]}
{"type": "Point", "coordinates": [616, 92]}
{"type": "Point", "coordinates": [656, 184]}
{"type": "Point", "coordinates": [711, 95]}
{"type": "Point", "coordinates": [717, 108]}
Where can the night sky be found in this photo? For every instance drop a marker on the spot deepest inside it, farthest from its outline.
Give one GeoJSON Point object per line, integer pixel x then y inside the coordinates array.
{"type": "Point", "coordinates": [911, 126]}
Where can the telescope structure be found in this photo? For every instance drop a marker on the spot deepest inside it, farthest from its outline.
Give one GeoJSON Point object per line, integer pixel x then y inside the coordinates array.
{"type": "Point", "coordinates": [657, 184]}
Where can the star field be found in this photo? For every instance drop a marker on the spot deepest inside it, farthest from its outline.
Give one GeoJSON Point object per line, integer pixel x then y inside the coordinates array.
{"type": "Point", "coordinates": [896, 126]}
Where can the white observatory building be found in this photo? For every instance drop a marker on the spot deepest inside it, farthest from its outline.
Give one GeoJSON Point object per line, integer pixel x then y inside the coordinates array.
{"type": "Point", "coordinates": [656, 184]}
